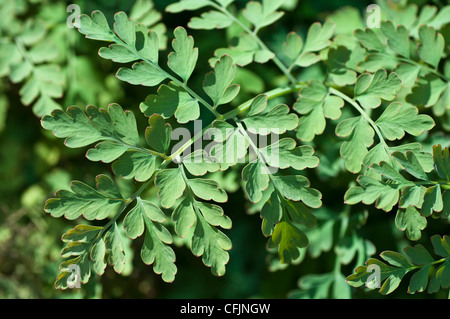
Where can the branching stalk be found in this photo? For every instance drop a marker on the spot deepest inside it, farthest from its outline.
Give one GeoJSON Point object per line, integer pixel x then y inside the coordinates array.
{"type": "Point", "coordinates": [255, 37]}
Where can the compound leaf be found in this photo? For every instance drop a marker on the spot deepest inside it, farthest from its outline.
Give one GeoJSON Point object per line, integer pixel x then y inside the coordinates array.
{"type": "Point", "coordinates": [360, 135]}
{"type": "Point", "coordinates": [85, 200]}
{"type": "Point", "coordinates": [410, 221]}
{"type": "Point", "coordinates": [171, 186]}
{"type": "Point", "coordinates": [399, 118]}
{"type": "Point", "coordinates": [184, 58]}
{"type": "Point", "coordinates": [432, 45]}
{"type": "Point", "coordinates": [171, 100]}
{"type": "Point", "coordinates": [370, 89]}
{"type": "Point", "coordinates": [315, 104]}
{"type": "Point", "coordinates": [217, 83]}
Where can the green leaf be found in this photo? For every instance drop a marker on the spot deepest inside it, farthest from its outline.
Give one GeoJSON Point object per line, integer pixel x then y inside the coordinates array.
{"type": "Point", "coordinates": [244, 50]}
{"type": "Point", "coordinates": [395, 259]}
{"type": "Point", "coordinates": [425, 158]}
{"type": "Point", "coordinates": [144, 13]}
{"type": "Point", "coordinates": [171, 186]}
{"type": "Point", "coordinates": [96, 27]}
{"type": "Point", "coordinates": [441, 245]}
{"type": "Point", "coordinates": [256, 180]}
{"type": "Point", "coordinates": [410, 221]}
{"type": "Point", "coordinates": [232, 146]}
{"type": "Point", "coordinates": [85, 200]}
{"type": "Point", "coordinates": [217, 84]}
{"type": "Point", "coordinates": [419, 280]}
{"type": "Point", "coordinates": [385, 196]}
{"type": "Point", "coordinates": [411, 164]}
{"type": "Point", "coordinates": [278, 120]}
{"type": "Point", "coordinates": [399, 118]}
{"type": "Point", "coordinates": [314, 286]}
{"type": "Point", "coordinates": [198, 163]}
{"type": "Point", "coordinates": [81, 233]}
{"type": "Point", "coordinates": [288, 238]}
{"type": "Point", "coordinates": [292, 46]}
{"type": "Point", "coordinates": [156, 251]}
{"type": "Point", "coordinates": [208, 190]}
{"type": "Point", "coordinates": [158, 134]}
{"type": "Point", "coordinates": [210, 20]}
{"type": "Point", "coordinates": [427, 91]}
{"type": "Point", "coordinates": [339, 65]}
{"type": "Point", "coordinates": [137, 165]}
{"type": "Point", "coordinates": [214, 215]}
{"type": "Point", "coordinates": [184, 217]}
{"type": "Point", "coordinates": [408, 73]}
{"type": "Point", "coordinates": [369, 39]}
{"type": "Point", "coordinates": [360, 135]}
{"type": "Point", "coordinates": [315, 104]}
{"type": "Point", "coordinates": [115, 128]}
{"type": "Point", "coordinates": [412, 196]}
{"type": "Point", "coordinates": [301, 213]}
{"type": "Point", "coordinates": [391, 276]}
{"type": "Point", "coordinates": [45, 83]}
{"type": "Point", "coordinates": [398, 38]}
{"type": "Point", "coordinates": [432, 201]}
{"type": "Point", "coordinates": [271, 214]}
{"type": "Point", "coordinates": [370, 89]}
{"type": "Point", "coordinates": [284, 154]}
{"type": "Point", "coordinates": [117, 53]}
{"type": "Point", "coordinates": [184, 58]}
{"type": "Point", "coordinates": [390, 173]}
{"type": "Point", "coordinates": [441, 160]}
{"type": "Point", "coordinates": [125, 28]}
{"type": "Point", "coordinates": [97, 255]}
{"type": "Point", "coordinates": [296, 188]}
{"type": "Point", "coordinates": [141, 73]}
{"type": "Point", "coordinates": [376, 61]}
{"type": "Point", "coordinates": [440, 278]}
{"type": "Point", "coordinates": [419, 259]}
{"type": "Point", "coordinates": [147, 43]}
{"type": "Point", "coordinates": [212, 245]}
{"type": "Point", "coordinates": [133, 222]}
{"type": "Point", "coordinates": [432, 45]}
{"type": "Point", "coordinates": [418, 255]}
{"type": "Point", "coordinates": [262, 14]}
{"type": "Point", "coordinates": [258, 105]}
{"type": "Point", "coordinates": [172, 100]}
{"type": "Point", "coordinates": [318, 36]}
{"type": "Point", "coordinates": [115, 249]}
{"type": "Point", "coordinates": [84, 264]}
{"type": "Point", "coordinates": [187, 5]}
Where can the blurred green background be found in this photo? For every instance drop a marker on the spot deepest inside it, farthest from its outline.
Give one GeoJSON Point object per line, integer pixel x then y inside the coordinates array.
{"type": "Point", "coordinates": [34, 164]}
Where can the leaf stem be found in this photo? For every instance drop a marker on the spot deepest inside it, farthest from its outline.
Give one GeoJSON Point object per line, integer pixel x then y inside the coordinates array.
{"type": "Point", "coordinates": [363, 114]}
{"type": "Point", "coordinates": [270, 95]}
{"type": "Point", "coordinates": [138, 148]}
{"type": "Point", "coordinates": [169, 76]}
{"type": "Point", "coordinates": [235, 112]}
{"type": "Point", "coordinates": [262, 45]}
{"type": "Point", "coordinates": [420, 65]}
{"type": "Point", "coordinates": [126, 204]}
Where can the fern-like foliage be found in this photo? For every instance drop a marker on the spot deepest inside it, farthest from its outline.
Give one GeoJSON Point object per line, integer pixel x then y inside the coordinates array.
{"type": "Point", "coordinates": [29, 58]}
{"type": "Point", "coordinates": [369, 105]}
{"type": "Point", "coordinates": [179, 180]}
{"type": "Point", "coordinates": [396, 265]}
